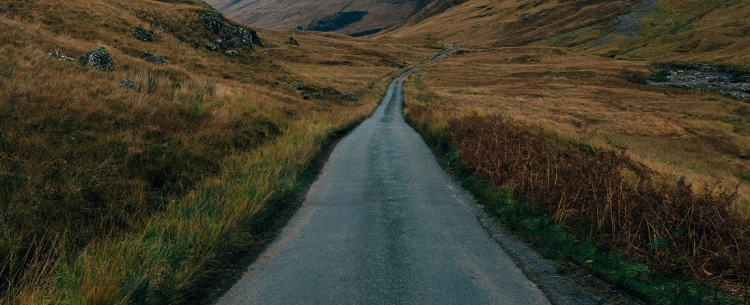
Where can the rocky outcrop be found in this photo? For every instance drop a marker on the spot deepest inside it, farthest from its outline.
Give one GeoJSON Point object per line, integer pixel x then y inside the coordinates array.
{"type": "Point", "coordinates": [230, 36]}
{"type": "Point", "coordinates": [142, 34]}
{"type": "Point", "coordinates": [159, 60]}
{"type": "Point", "coordinates": [98, 58]}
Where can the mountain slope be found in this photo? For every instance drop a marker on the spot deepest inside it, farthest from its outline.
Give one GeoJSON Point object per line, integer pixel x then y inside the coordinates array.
{"type": "Point", "coordinates": [663, 30]}
{"type": "Point", "coordinates": [288, 14]}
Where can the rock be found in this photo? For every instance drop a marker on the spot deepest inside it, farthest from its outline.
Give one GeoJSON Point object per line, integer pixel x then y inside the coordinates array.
{"type": "Point", "coordinates": [2, 9]}
{"type": "Point", "coordinates": [159, 60]}
{"type": "Point", "coordinates": [287, 72]}
{"type": "Point", "coordinates": [181, 37]}
{"type": "Point", "coordinates": [231, 53]}
{"type": "Point", "coordinates": [349, 97]}
{"type": "Point", "coordinates": [126, 83]}
{"type": "Point", "coordinates": [292, 41]}
{"type": "Point", "coordinates": [142, 34]}
{"type": "Point", "coordinates": [304, 94]}
{"type": "Point", "coordinates": [331, 91]}
{"type": "Point", "coordinates": [298, 85]}
{"type": "Point", "coordinates": [98, 58]}
{"type": "Point", "coordinates": [318, 95]}
{"type": "Point", "coordinates": [59, 55]}
{"type": "Point", "coordinates": [281, 79]}
{"type": "Point", "coordinates": [210, 46]}
{"type": "Point", "coordinates": [233, 36]}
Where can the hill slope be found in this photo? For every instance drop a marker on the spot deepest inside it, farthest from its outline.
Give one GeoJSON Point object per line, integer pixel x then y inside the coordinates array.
{"type": "Point", "coordinates": [663, 30]}
{"type": "Point", "coordinates": [107, 176]}
{"type": "Point", "coordinates": [288, 14]}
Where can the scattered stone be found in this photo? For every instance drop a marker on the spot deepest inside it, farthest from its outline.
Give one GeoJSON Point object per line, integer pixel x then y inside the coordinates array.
{"type": "Point", "coordinates": [142, 34]}
{"type": "Point", "coordinates": [298, 85]}
{"type": "Point", "coordinates": [126, 83]}
{"type": "Point", "coordinates": [59, 55]}
{"type": "Point", "coordinates": [98, 58]}
{"type": "Point", "coordinates": [292, 41]}
{"type": "Point", "coordinates": [159, 60]}
{"type": "Point", "coordinates": [231, 53]}
{"type": "Point", "coordinates": [210, 46]}
{"type": "Point", "coordinates": [318, 95]}
{"type": "Point", "coordinates": [349, 97]}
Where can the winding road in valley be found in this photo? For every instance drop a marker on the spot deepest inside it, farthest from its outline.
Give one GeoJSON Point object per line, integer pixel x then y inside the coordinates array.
{"type": "Point", "coordinates": [385, 224]}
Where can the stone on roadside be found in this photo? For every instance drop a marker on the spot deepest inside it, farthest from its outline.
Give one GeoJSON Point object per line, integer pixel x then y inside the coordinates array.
{"type": "Point", "coordinates": [142, 34]}
{"type": "Point", "coordinates": [98, 58]}
{"type": "Point", "coordinates": [159, 60]}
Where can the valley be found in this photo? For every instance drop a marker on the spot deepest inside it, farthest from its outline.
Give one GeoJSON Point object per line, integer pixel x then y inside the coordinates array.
{"type": "Point", "coordinates": [188, 138]}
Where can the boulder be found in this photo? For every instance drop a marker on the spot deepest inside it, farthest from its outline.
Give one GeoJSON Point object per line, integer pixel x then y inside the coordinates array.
{"type": "Point", "coordinates": [298, 85]}
{"type": "Point", "coordinates": [98, 58]}
{"type": "Point", "coordinates": [349, 97]}
{"type": "Point", "coordinates": [318, 95]}
{"type": "Point", "coordinates": [210, 46]}
{"type": "Point", "coordinates": [142, 34]}
{"type": "Point", "coordinates": [304, 94]}
{"type": "Point", "coordinates": [126, 83]}
{"type": "Point", "coordinates": [231, 53]}
{"type": "Point", "coordinates": [159, 60]}
{"type": "Point", "coordinates": [59, 55]}
{"type": "Point", "coordinates": [292, 41]}
{"type": "Point", "coordinates": [2, 9]}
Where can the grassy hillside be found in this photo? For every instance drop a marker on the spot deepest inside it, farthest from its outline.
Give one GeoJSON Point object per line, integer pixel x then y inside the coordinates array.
{"type": "Point", "coordinates": [651, 30]}
{"type": "Point", "coordinates": [117, 192]}
{"type": "Point", "coordinates": [288, 14]}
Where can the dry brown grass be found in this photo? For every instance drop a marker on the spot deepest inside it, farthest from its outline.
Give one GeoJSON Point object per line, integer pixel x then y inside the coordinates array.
{"type": "Point", "coordinates": [697, 135]}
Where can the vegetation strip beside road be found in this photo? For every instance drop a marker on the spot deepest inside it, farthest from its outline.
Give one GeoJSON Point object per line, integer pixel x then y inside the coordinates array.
{"type": "Point", "coordinates": [576, 202]}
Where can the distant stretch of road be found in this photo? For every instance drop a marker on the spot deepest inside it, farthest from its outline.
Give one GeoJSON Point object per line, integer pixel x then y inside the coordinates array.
{"type": "Point", "coordinates": [384, 224]}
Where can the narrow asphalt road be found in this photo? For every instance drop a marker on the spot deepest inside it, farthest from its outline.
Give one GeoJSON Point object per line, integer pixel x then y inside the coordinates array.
{"type": "Point", "coordinates": [384, 224]}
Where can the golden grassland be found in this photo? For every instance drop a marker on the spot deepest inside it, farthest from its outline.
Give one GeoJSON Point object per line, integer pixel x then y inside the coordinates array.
{"type": "Point", "coordinates": [697, 135]}
{"type": "Point", "coordinates": [114, 195]}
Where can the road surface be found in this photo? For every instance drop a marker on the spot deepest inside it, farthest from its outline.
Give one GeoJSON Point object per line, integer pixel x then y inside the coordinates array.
{"type": "Point", "coordinates": [384, 224]}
